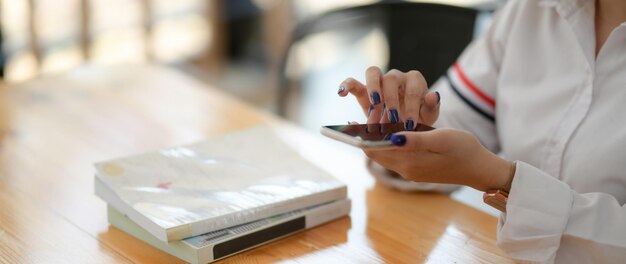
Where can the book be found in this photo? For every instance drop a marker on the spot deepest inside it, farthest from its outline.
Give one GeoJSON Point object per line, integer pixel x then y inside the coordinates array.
{"type": "Point", "coordinates": [185, 191]}
{"type": "Point", "coordinates": [223, 243]}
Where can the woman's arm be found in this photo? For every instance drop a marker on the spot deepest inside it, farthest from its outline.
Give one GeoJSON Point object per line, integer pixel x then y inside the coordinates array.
{"type": "Point", "coordinates": [457, 97]}
{"type": "Point", "coordinates": [545, 220]}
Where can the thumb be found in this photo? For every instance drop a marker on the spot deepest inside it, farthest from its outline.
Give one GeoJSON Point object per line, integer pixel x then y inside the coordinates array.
{"type": "Point", "coordinates": [433, 141]}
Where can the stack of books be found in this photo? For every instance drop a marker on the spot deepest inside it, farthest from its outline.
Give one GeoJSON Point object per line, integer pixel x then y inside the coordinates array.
{"type": "Point", "coordinates": [210, 200]}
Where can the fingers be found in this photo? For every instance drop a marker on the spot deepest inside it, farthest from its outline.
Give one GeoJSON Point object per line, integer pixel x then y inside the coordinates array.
{"type": "Point", "coordinates": [414, 96]}
{"type": "Point", "coordinates": [394, 97]}
{"type": "Point", "coordinates": [392, 82]}
{"type": "Point", "coordinates": [429, 111]}
{"type": "Point", "coordinates": [358, 90]}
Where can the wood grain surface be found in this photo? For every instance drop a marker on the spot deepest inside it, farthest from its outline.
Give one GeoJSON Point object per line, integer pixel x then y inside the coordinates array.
{"type": "Point", "coordinates": [54, 128]}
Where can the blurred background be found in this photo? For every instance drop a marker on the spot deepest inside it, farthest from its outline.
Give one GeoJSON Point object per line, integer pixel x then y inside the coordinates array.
{"type": "Point", "coordinates": [285, 57]}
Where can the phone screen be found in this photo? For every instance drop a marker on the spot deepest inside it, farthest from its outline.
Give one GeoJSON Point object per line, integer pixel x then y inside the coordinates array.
{"type": "Point", "coordinates": [375, 132]}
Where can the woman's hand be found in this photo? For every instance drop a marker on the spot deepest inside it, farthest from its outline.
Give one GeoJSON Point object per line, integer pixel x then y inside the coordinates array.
{"type": "Point", "coordinates": [394, 97]}
{"type": "Point", "coordinates": [437, 156]}
{"type": "Point", "coordinates": [444, 156]}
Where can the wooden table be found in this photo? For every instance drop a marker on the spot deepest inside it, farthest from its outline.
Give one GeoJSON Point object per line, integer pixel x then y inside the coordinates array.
{"type": "Point", "coordinates": [53, 129]}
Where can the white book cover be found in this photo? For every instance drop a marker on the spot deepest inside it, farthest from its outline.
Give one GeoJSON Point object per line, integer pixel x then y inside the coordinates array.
{"type": "Point", "coordinates": [223, 243]}
{"type": "Point", "coordinates": [180, 192]}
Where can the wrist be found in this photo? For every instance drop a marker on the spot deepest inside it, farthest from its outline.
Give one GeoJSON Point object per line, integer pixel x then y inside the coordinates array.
{"type": "Point", "coordinates": [511, 175]}
{"type": "Point", "coordinates": [503, 176]}
{"type": "Point", "coordinates": [499, 176]}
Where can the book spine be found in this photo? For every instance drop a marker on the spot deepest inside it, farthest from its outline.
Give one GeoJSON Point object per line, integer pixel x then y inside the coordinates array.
{"type": "Point", "coordinates": [315, 217]}
{"type": "Point", "coordinates": [237, 218]}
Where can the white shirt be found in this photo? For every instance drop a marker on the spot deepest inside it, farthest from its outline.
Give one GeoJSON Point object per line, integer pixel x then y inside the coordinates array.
{"type": "Point", "coordinates": [532, 89]}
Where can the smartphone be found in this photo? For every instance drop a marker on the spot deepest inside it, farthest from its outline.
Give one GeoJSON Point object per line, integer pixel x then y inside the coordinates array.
{"type": "Point", "coordinates": [368, 135]}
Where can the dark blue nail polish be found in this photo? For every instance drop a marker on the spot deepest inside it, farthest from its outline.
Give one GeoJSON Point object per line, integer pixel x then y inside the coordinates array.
{"type": "Point", "coordinates": [375, 98]}
{"type": "Point", "coordinates": [370, 110]}
{"type": "Point", "coordinates": [408, 125]}
{"type": "Point", "coordinates": [438, 97]}
{"type": "Point", "coordinates": [349, 123]}
{"type": "Point", "coordinates": [341, 89]}
{"type": "Point", "coordinates": [393, 116]}
{"type": "Point", "coordinates": [398, 140]}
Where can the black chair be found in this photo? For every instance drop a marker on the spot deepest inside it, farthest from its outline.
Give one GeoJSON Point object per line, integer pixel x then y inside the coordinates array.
{"type": "Point", "coordinates": [421, 36]}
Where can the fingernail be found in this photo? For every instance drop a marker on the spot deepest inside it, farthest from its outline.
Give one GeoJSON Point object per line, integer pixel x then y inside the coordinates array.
{"type": "Point", "coordinates": [393, 116]}
{"type": "Point", "coordinates": [341, 89]}
{"type": "Point", "coordinates": [398, 140]}
{"type": "Point", "coordinates": [349, 123]}
{"type": "Point", "coordinates": [375, 98]}
{"type": "Point", "coordinates": [438, 97]}
{"type": "Point", "coordinates": [408, 125]}
{"type": "Point", "coordinates": [370, 110]}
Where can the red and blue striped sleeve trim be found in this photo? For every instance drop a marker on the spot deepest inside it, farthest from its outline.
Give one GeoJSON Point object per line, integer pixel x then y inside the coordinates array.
{"type": "Point", "coordinates": [471, 94]}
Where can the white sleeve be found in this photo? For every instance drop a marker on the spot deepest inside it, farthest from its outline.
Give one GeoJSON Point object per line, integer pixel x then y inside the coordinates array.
{"type": "Point", "coordinates": [469, 89]}
{"type": "Point", "coordinates": [548, 222]}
